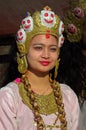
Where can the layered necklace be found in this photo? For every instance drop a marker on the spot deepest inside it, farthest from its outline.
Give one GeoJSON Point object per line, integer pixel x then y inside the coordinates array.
{"type": "Point", "coordinates": [38, 104]}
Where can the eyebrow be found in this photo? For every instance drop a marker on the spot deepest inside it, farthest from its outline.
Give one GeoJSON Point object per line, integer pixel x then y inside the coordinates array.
{"type": "Point", "coordinates": [37, 44]}
{"type": "Point", "coordinates": [44, 45]}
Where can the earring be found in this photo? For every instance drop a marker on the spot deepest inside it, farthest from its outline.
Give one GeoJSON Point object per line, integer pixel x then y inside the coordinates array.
{"type": "Point", "coordinates": [22, 63]}
{"type": "Point", "coordinates": [56, 68]}
{"type": "Point", "coordinates": [50, 78]}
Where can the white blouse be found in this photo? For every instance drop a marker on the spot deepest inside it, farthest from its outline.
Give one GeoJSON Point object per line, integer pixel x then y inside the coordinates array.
{"type": "Point", "coordinates": [15, 115]}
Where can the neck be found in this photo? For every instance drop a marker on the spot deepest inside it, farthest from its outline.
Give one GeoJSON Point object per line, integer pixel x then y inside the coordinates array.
{"type": "Point", "coordinates": [39, 84]}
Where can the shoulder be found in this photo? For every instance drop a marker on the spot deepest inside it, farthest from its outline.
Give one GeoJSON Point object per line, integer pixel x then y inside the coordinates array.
{"type": "Point", "coordinates": [69, 95]}
{"type": "Point", "coordinates": [66, 90]}
{"type": "Point", "coordinates": [9, 92]}
{"type": "Point", "coordinates": [12, 86]}
{"type": "Point", "coordinates": [72, 109]}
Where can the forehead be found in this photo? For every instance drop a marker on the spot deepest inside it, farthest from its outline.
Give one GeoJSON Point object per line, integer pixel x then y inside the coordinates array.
{"type": "Point", "coordinates": [42, 39]}
{"type": "Point", "coordinates": [45, 11]}
{"type": "Point", "coordinates": [27, 18]}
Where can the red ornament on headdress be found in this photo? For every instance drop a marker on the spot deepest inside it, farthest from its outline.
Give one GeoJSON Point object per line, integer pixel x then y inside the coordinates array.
{"type": "Point", "coordinates": [78, 12]}
{"type": "Point", "coordinates": [48, 34]}
{"type": "Point", "coordinates": [71, 28]}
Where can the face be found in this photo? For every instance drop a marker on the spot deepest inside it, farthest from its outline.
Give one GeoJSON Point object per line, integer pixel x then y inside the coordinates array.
{"type": "Point", "coordinates": [48, 18]}
{"type": "Point", "coordinates": [21, 36]}
{"type": "Point", "coordinates": [78, 12]}
{"type": "Point", "coordinates": [43, 53]}
{"type": "Point", "coordinates": [27, 23]}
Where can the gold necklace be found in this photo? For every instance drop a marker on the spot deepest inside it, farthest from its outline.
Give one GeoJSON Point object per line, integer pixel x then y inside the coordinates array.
{"type": "Point", "coordinates": [32, 101]}
{"type": "Point", "coordinates": [46, 103]}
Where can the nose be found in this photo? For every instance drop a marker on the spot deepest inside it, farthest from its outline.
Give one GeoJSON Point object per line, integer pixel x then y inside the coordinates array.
{"type": "Point", "coordinates": [45, 53]}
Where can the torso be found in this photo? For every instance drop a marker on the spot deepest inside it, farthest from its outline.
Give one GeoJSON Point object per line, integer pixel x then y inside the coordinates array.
{"type": "Point", "coordinates": [25, 118]}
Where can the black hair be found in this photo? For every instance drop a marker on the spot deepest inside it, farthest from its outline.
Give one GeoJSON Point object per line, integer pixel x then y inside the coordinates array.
{"type": "Point", "coordinates": [69, 69]}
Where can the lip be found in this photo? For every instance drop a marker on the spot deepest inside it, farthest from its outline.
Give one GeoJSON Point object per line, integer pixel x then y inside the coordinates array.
{"type": "Point", "coordinates": [20, 38]}
{"type": "Point", "coordinates": [28, 26]}
{"type": "Point", "coordinates": [45, 63]}
{"type": "Point", "coordinates": [48, 21]}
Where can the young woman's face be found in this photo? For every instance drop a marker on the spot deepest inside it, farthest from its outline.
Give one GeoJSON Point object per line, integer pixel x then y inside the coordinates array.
{"type": "Point", "coordinates": [43, 53]}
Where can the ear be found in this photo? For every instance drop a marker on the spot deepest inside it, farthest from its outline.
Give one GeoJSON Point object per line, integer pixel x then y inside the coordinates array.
{"type": "Point", "coordinates": [58, 51]}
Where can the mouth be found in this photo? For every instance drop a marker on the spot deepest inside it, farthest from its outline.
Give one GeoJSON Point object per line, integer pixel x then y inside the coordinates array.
{"type": "Point", "coordinates": [28, 26]}
{"type": "Point", "coordinates": [20, 39]}
{"type": "Point", "coordinates": [45, 63]}
{"type": "Point", "coordinates": [48, 21]}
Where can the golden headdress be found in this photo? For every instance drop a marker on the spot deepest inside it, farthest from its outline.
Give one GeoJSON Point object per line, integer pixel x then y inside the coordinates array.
{"type": "Point", "coordinates": [74, 20]}
{"type": "Point", "coordinates": [44, 22]}
{"type": "Point", "coordinates": [41, 22]}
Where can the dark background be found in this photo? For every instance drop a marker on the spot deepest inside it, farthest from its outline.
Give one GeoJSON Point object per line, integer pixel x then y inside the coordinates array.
{"type": "Point", "coordinates": [12, 11]}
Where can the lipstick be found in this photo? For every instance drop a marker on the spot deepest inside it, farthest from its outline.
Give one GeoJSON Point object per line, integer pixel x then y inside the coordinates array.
{"type": "Point", "coordinates": [45, 63]}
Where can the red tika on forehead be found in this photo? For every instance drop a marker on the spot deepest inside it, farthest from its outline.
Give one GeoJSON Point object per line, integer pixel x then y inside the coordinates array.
{"type": "Point", "coordinates": [47, 34]}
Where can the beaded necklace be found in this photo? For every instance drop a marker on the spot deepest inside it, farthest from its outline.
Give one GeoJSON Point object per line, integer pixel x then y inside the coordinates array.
{"type": "Point", "coordinates": [33, 102]}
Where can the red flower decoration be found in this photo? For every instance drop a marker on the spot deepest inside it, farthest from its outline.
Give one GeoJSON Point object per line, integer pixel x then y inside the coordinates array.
{"type": "Point", "coordinates": [72, 28]}
{"type": "Point", "coordinates": [78, 12]}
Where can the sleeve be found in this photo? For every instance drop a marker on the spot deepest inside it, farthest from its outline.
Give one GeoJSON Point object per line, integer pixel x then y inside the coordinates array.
{"type": "Point", "coordinates": [76, 114]}
{"type": "Point", "coordinates": [7, 110]}
{"type": "Point", "coordinates": [72, 108]}
{"type": "Point", "coordinates": [83, 112]}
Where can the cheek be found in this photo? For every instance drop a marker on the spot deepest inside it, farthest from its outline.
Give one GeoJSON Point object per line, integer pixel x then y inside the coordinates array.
{"type": "Point", "coordinates": [55, 57]}
{"type": "Point", "coordinates": [31, 57]}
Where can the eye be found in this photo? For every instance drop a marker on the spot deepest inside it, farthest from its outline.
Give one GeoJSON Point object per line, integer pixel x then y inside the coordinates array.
{"type": "Point", "coordinates": [53, 49]}
{"type": "Point", "coordinates": [23, 22]}
{"type": "Point", "coordinates": [52, 15]}
{"type": "Point", "coordinates": [38, 48]}
{"type": "Point", "coordinates": [46, 14]}
{"type": "Point", "coordinates": [28, 21]}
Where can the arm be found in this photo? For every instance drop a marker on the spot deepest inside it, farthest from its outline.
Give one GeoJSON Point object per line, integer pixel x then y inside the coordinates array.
{"type": "Point", "coordinates": [76, 114]}
{"type": "Point", "coordinates": [7, 110]}
{"type": "Point", "coordinates": [72, 108]}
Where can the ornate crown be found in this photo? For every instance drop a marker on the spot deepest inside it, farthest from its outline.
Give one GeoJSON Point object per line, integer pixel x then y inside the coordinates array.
{"type": "Point", "coordinates": [44, 22]}
{"type": "Point", "coordinates": [74, 20]}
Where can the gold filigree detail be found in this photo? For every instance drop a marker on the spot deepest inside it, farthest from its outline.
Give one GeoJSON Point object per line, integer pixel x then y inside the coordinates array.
{"type": "Point", "coordinates": [22, 63]}
{"type": "Point", "coordinates": [46, 103]}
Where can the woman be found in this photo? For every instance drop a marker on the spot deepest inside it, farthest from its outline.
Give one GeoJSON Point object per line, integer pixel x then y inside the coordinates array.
{"type": "Point", "coordinates": [36, 101]}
